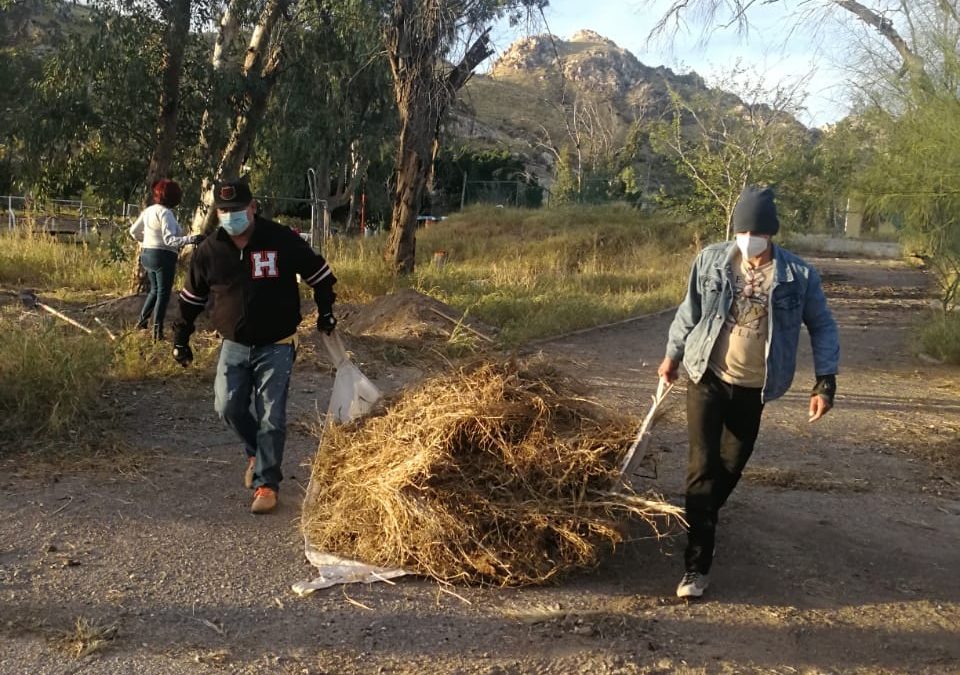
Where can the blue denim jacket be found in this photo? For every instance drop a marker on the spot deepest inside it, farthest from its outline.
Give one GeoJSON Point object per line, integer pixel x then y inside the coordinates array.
{"type": "Point", "coordinates": [795, 297]}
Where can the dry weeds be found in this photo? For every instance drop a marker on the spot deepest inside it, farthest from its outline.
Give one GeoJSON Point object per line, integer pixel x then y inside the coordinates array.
{"type": "Point", "coordinates": [86, 637]}
{"type": "Point", "coordinates": [499, 473]}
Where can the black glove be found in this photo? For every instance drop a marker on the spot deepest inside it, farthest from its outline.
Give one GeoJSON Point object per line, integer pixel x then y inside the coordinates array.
{"type": "Point", "coordinates": [196, 239]}
{"type": "Point", "coordinates": [183, 354]}
{"type": "Point", "coordinates": [326, 322]}
{"type": "Point", "coordinates": [826, 386]}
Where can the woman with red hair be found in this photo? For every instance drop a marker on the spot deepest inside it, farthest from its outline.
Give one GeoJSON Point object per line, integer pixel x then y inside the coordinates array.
{"type": "Point", "coordinates": [160, 242]}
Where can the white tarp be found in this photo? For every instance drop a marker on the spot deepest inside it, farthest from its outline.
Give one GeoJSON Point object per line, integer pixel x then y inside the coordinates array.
{"type": "Point", "coordinates": [353, 397]}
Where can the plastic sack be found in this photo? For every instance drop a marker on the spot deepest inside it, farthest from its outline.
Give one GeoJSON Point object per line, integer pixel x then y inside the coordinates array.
{"type": "Point", "coordinates": [354, 395]}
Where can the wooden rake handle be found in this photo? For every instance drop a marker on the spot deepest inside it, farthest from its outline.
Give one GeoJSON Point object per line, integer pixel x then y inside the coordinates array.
{"type": "Point", "coordinates": [642, 439]}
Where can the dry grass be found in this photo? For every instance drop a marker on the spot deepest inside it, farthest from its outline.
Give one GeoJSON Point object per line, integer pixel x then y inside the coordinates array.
{"type": "Point", "coordinates": [499, 473]}
{"type": "Point", "coordinates": [85, 638]}
{"type": "Point", "coordinates": [803, 480]}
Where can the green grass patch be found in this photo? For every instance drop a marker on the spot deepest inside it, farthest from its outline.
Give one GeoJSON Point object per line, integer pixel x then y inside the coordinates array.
{"type": "Point", "coordinates": [534, 273]}
{"type": "Point", "coordinates": [50, 381]}
{"type": "Point", "coordinates": [36, 260]}
{"type": "Point", "coordinates": [940, 337]}
{"type": "Point", "coordinates": [55, 381]}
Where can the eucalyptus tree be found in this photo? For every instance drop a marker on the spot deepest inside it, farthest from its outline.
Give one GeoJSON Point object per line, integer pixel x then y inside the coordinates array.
{"type": "Point", "coordinates": [433, 47]}
{"type": "Point", "coordinates": [332, 110]}
{"type": "Point", "coordinates": [251, 71]}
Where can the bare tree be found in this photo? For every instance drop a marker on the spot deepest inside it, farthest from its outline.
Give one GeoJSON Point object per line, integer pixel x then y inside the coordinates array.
{"type": "Point", "coordinates": [879, 17]}
{"type": "Point", "coordinates": [722, 149]}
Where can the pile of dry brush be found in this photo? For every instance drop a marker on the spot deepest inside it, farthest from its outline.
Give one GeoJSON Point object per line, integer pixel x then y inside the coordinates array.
{"type": "Point", "coordinates": [500, 473]}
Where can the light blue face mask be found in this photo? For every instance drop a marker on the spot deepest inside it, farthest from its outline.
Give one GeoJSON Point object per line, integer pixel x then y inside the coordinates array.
{"type": "Point", "coordinates": [234, 222]}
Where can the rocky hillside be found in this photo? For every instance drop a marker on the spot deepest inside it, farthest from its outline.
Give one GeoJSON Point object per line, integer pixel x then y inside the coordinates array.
{"type": "Point", "coordinates": [525, 102]}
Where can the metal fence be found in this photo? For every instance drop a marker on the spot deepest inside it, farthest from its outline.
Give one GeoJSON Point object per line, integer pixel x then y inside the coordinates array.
{"type": "Point", "coordinates": [63, 216]}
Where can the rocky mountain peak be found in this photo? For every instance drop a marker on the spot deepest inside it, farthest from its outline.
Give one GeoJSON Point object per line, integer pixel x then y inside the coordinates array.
{"type": "Point", "coordinates": [594, 37]}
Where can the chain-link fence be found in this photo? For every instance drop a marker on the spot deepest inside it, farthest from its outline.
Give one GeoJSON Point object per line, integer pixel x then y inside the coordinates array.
{"type": "Point", "coordinates": [502, 192]}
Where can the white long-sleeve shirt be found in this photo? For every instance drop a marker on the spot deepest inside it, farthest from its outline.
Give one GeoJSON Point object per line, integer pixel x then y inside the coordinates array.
{"type": "Point", "coordinates": [156, 227]}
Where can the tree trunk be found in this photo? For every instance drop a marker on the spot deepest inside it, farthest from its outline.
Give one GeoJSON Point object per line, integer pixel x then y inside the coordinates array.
{"type": "Point", "coordinates": [260, 70]}
{"type": "Point", "coordinates": [413, 164]}
{"type": "Point", "coordinates": [177, 15]}
{"type": "Point", "coordinates": [210, 146]}
{"type": "Point", "coordinates": [422, 100]}
{"type": "Point", "coordinates": [175, 41]}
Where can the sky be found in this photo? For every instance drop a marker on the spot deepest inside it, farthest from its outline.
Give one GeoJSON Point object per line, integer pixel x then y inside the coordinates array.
{"type": "Point", "coordinates": [773, 47]}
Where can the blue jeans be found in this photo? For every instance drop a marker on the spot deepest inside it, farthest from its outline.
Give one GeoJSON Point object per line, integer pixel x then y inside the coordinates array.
{"type": "Point", "coordinates": [161, 266]}
{"type": "Point", "coordinates": [251, 398]}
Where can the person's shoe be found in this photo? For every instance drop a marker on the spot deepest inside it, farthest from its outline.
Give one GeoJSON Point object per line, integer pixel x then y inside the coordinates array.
{"type": "Point", "coordinates": [142, 324]}
{"type": "Point", "coordinates": [248, 474]}
{"type": "Point", "coordinates": [158, 332]}
{"type": "Point", "coordinates": [692, 585]}
{"type": "Point", "coordinates": [264, 500]}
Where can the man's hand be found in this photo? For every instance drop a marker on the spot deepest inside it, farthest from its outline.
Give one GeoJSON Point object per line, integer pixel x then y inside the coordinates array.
{"type": "Point", "coordinates": [326, 322]}
{"type": "Point", "coordinates": [182, 354]}
{"type": "Point", "coordinates": [196, 239]}
{"type": "Point", "coordinates": [819, 406]}
{"type": "Point", "coordinates": [668, 370]}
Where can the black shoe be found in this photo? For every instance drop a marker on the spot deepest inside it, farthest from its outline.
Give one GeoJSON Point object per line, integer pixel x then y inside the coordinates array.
{"type": "Point", "coordinates": [142, 324]}
{"type": "Point", "coordinates": [158, 332]}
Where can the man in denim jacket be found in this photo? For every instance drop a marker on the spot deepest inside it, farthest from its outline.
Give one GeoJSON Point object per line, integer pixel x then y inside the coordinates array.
{"type": "Point", "coordinates": [736, 334]}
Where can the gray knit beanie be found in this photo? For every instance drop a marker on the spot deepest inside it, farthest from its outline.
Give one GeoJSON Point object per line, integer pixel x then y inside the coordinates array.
{"type": "Point", "coordinates": [755, 212]}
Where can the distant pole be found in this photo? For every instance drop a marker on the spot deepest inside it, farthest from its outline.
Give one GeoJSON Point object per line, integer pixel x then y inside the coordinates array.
{"type": "Point", "coordinates": [363, 213]}
{"type": "Point", "coordinates": [463, 191]}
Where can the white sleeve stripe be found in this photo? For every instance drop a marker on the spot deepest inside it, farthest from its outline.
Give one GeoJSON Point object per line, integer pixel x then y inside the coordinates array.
{"type": "Point", "coordinates": [198, 303]}
{"type": "Point", "coordinates": [187, 295]}
{"type": "Point", "coordinates": [319, 276]}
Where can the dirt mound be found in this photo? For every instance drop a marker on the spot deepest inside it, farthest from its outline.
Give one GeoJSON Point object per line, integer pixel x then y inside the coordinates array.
{"type": "Point", "coordinates": [408, 314]}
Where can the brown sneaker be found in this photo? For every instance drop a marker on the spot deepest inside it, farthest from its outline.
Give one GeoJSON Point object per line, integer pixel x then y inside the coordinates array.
{"type": "Point", "coordinates": [248, 474]}
{"type": "Point", "coordinates": [264, 500]}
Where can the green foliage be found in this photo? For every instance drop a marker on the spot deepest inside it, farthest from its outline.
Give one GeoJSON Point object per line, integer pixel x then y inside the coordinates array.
{"type": "Point", "coordinates": [721, 143]}
{"type": "Point", "coordinates": [912, 175]}
{"type": "Point", "coordinates": [332, 109]}
{"type": "Point", "coordinates": [915, 176]}
{"type": "Point", "coordinates": [505, 174]}
{"type": "Point", "coordinates": [940, 337]}
{"type": "Point", "coordinates": [565, 190]}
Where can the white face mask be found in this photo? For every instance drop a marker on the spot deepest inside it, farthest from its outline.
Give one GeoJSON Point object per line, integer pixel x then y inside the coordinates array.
{"type": "Point", "coordinates": [751, 245]}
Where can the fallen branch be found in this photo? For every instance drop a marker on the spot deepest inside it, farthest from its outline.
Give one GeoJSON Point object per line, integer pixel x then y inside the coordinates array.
{"type": "Point", "coordinates": [103, 303]}
{"type": "Point", "coordinates": [460, 323]}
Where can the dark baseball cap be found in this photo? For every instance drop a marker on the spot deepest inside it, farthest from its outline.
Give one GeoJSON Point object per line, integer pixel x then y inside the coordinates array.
{"type": "Point", "coordinates": [231, 194]}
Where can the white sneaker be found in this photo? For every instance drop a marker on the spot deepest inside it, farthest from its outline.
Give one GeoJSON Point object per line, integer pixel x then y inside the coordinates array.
{"type": "Point", "coordinates": [692, 585]}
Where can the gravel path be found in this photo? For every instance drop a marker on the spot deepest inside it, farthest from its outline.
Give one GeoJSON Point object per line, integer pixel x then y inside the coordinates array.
{"type": "Point", "coordinates": [838, 552]}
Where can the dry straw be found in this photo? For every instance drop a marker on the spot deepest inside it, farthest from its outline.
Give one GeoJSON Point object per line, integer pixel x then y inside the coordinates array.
{"type": "Point", "coordinates": [500, 473]}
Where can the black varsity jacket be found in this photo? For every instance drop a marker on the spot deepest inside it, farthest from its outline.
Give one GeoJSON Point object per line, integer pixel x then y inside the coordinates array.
{"type": "Point", "coordinates": [252, 293]}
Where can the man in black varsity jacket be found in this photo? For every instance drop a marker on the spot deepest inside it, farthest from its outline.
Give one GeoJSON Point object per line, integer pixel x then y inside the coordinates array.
{"type": "Point", "coordinates": [247, 270]}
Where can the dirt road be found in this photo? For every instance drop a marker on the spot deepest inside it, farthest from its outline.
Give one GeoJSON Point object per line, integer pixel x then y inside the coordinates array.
{"type": "Point", "coordinates": [838, 552]}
